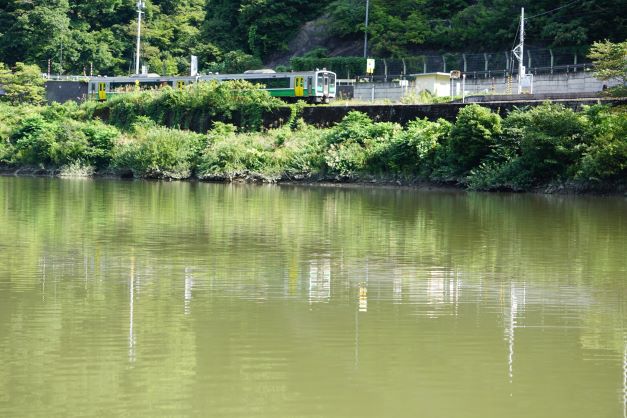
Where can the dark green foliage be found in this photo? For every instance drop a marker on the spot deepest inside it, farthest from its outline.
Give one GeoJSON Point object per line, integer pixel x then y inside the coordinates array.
{"type": "Point", "coordinates": [549, 143]}
{"type": "Point", "coordinates": [234, 62]}
{"type": "Point", "coordinates": [472, 137]}
{"type": "Point", "coordinates": [605, 158]}
{"type": "Point", "coordinates": [77, 36]}
{"type": "Point", "coordinates": [32, 141]}
{"type": "Point", "coordinates": [552, 140]}
{"type": "Point", "coordinates": [344, 67]}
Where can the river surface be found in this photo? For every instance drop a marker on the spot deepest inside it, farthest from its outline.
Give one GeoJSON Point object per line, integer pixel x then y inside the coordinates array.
{"type": "Point", "coordinates": [184, 299]}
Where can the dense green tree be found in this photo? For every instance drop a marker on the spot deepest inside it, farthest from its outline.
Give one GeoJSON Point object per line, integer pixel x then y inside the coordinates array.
{"type": "Point", "coordinates": [22, 85]}
{"type": "Point", "coordinates": [610, 63]}
{"type": "Point", "coordinates": [76, 36]}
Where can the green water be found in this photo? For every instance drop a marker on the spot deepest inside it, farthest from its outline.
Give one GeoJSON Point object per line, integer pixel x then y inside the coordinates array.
{"type": "Point", "coordinates": [177, 299]}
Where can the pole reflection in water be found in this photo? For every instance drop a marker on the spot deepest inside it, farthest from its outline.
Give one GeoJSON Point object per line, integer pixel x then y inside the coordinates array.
{"type": "Point", "coordinates": [510, 332]}
{"type": "Point", "coordinates": [363, 298]}
{"type": "Point", "coordinates": [319, 280]}
{"type": "Point", "coordinates": [131, 332]}
{"type": "Point", "coordinates": [397, 287]}
{"type": "Point", "coordinates": [187, 295]}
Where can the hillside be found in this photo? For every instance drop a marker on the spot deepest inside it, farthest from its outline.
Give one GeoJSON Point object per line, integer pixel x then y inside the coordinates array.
{"type": "Point", "coordinates": [231, 35]}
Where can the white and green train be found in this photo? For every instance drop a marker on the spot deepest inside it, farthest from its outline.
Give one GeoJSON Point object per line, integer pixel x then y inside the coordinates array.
{"type": "Point", "coordinates": [312, 86]}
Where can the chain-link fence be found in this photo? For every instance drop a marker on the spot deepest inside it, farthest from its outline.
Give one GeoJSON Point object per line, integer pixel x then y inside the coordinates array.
{"type": "Point", "coordinates": [474, 65]}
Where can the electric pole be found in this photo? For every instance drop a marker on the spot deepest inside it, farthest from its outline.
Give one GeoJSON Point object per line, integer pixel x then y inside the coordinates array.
{"type": "Point", "coordinates": [140, 6]}
{"type": "Point", "coordinates": [366, 31]}
{"type": "Point", "coordinates": [519, 51]}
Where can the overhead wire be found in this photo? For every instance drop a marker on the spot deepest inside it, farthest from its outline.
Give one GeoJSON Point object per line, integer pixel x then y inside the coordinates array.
{"type": "Point", "coordinates": [553, 10]}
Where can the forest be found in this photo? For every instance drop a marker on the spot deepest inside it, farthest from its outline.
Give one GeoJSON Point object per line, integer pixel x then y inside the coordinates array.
{"type": "Point", "coordinates": [79, 37]}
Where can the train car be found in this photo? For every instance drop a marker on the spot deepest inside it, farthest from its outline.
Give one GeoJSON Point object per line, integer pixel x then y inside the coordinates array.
{"type": "Point", "coordinates": [312, 86]}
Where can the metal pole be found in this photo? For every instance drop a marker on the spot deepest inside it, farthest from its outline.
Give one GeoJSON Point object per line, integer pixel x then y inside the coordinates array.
{"type": "Point", "coordinates": [140, 6]}
{"type": "Point", "coordinates": [521, 61]}
{"type": "Point", "coordinates": [366, 31]}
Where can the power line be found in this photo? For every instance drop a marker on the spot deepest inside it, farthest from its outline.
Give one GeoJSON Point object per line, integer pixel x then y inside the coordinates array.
{"type": "Point", "coordinates": [553, 10]}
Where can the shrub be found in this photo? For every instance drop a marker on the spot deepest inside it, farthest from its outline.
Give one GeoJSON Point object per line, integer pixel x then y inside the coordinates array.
{"type": "Point", "coordinates": [551, 141]}
{"type": "Point", "coordinates": [235, 154]}
{"type": "Point", "coordinates": [471, 138]}
{"type": "Point", "coordinates": [159, 153]}
{"type": "Point", "coordinates": [300, 151]}
{"type": "Point", "coordinates": [357, 144]}
{"type": "Point", "coordinates": [425, 140]}
{"type": "Point", "coordinates": [196, 107]}
{"type": "Point", "coordinates": [605, 158]}
{"type": "Point", "coordinates": [33, 140]}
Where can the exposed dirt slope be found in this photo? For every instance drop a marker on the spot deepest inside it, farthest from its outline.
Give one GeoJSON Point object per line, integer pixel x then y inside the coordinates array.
{"type": "Point", "coordinates": [314, 34]}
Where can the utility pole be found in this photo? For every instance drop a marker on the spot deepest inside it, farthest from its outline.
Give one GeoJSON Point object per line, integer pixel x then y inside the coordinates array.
{"type": "Point", "coordinates": [519, 52]}
{"type": "Point", "coordinates": [140, 6]}
{"type": "Point", "coordinates": [366, 30]}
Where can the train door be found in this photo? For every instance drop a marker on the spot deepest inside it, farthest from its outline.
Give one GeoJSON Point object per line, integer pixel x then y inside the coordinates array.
{"type": "Point", "coordinates": [102, 92]}
{"type": "Point", "coordinates": [326, 85]}
{"type": "Point", "coordinates": [180, 84]}
{"type": "Point", "coordinates": [299, 86]}
{"type": "Point", "coordinates": [309, 86]}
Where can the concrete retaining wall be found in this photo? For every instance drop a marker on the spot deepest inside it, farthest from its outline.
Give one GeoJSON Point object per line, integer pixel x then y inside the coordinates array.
{"type": "Point", "coordinates": [577, 83]}
{"type": "Point", "coordinates": [330, 115]}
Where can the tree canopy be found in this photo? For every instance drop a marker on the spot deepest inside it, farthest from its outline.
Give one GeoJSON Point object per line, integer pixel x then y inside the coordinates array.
{"type": "Point", "coordinates": [77, 36]}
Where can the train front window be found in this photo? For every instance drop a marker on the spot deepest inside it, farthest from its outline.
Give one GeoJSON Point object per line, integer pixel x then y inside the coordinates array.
{"type": "Point", "coordinates": [320, 82]}
{"type": "Point", "coordinates": [332, 83]}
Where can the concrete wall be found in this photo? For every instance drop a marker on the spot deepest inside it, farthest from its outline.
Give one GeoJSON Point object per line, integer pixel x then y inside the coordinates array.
{"type": "Point", "coordinates": [576, 82]}
{"type": "Point", "coordinates": [330, 115]}
{"type": "Point", "coordinates": [562, 83]}
{"type": "Point", "coordinates": [380, 91]}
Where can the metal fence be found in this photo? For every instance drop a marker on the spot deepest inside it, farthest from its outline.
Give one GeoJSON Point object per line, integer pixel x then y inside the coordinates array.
{"type": "Point", "coordinates": [481, 65]}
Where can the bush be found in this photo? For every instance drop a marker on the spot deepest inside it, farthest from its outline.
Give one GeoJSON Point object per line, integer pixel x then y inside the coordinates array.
{"type": "Point", "coordinates": [426, 140]}
{"type": "Point", "coordinates": [159, 153]}
{"type": "Point", "coordinates": [196, 107]}
{"type": "Point", "coordinates": [357, 144]}
{"type": "Point", "coordinates": [471, 138]}
{"type": "Point", "coordinates": [22, 85]}
{"type": "Point", "coordinates": [33, 140]}
{"type": "Point", "coordinates": [552, 139]}
{"type": "Point", "coordinates": [605, 158]}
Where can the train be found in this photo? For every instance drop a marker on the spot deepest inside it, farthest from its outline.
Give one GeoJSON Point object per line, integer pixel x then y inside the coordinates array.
{"type": "Point", "coordinates": [317, 86]}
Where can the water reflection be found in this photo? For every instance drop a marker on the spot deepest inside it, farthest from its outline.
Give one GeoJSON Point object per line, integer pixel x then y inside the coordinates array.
{"type": "Point", "coordinates": [374, 303]}
{"type": "Point", "coordinates": [187, 294]}
{"type": "Point", "coordinates": [131, 316]}
{"type": "Point", "coordinates": [320, 280]}
{"type": "Point", "coordinates": [625, 379]}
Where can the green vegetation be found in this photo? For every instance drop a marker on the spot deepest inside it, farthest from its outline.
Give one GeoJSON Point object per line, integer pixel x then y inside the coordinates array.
{"type": "Point", "coordinates": [610, 63]}
{"type": "Point", "coordinates": [196, 107]}
{"type": "Point", "coordinates": [151, 135]}
{"type": "Point", "coordinates": [22, 84]}
{"type": "Point", "coordinates": [76, 37]}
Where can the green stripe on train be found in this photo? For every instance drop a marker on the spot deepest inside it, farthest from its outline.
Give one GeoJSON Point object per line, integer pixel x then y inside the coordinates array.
{"type": "Point", "coordinates": [285, 93]}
